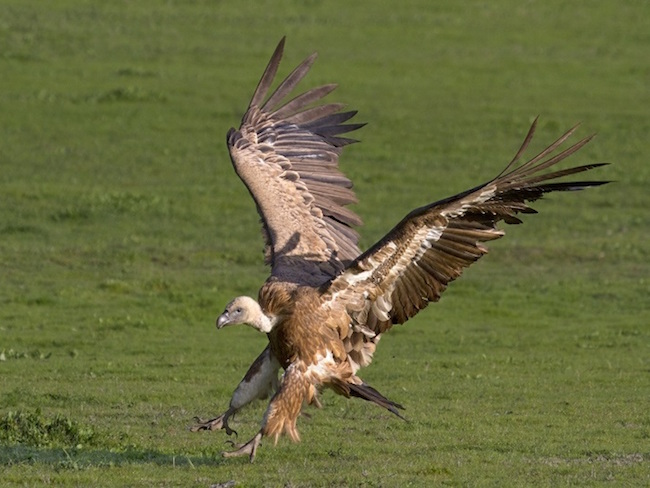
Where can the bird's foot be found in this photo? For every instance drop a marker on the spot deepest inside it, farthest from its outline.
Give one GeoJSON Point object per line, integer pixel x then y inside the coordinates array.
{"type": "Point", "coordinates": [250, 448]}
{"type": "Point", "coordinates": [220, 422]}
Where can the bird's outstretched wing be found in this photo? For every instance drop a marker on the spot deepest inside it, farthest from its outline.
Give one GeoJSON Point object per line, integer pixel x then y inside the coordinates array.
{"type": "Point", "coordinates": [413, 264]}
{"type": "Point", "coordinates": [287, 156]}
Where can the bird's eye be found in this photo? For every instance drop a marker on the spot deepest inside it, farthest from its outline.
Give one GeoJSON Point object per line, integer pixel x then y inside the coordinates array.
{"type": "Point", "coordinates": [238, 310]}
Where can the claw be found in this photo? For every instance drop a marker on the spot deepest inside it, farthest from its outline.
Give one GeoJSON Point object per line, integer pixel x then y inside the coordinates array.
{"type": "Point", "coordinates": [250, 448]}
{"type": "Point", "coordinates": [220, 422]}
{"type": "Point", "coordinates": [233, 444]}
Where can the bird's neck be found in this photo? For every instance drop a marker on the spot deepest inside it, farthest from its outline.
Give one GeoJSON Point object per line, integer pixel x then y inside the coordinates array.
{"type": "Point", "coordinates": [264, 323]}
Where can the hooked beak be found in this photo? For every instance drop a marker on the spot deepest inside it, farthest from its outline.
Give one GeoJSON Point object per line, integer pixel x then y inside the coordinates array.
{"type": "Point", "coordinates": [223, 320]}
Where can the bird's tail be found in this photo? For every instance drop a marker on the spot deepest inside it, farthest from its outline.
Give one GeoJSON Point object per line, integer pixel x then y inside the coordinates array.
{"type": "Point", "coordinates": [367, 392]}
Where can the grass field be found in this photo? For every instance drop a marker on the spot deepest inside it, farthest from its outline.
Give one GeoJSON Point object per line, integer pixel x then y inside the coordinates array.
{"type": "Point", "coordinates": [124, 231]}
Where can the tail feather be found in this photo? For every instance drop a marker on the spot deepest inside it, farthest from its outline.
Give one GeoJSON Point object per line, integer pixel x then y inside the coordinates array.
{"type": "Point", "coordinates": [368, 393]}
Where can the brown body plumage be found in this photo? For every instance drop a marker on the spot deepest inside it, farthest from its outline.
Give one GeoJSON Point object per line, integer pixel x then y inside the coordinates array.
{"type": "Point", "coordinates": [326, 304]}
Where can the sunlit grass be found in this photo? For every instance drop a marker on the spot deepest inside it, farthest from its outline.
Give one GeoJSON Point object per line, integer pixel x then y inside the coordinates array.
{"type": "Point", "coordinates": [124, 231]}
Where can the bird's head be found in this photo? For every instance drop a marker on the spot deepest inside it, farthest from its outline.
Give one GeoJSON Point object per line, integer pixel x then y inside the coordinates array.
{"type": "Point", "coordinates": [245, 310]}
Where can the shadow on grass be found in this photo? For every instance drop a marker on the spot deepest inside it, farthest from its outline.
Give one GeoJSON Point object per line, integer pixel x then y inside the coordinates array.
{"type": "Point", "coordinates": [84, 458]}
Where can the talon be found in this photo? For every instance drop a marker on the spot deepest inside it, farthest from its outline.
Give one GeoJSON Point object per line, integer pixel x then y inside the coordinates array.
{"type": "Point", "coordinates": [213, 424]}
{"type": "Point", "coordinates": [250, 448]}
{"type": "Point", "coordinates": [217, 423]}
{"type": "Point", "coordinates": [233, 444]}
{"type": "Point", "coordinates": [201, 424]}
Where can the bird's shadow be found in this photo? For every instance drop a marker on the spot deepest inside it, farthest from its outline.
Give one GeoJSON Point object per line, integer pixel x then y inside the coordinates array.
{"type": "Point", "coordinates": [307, 268]}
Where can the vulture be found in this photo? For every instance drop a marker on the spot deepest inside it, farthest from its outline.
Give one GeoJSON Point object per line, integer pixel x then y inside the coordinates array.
{"type": "Point", "coordinates": [326, 304]}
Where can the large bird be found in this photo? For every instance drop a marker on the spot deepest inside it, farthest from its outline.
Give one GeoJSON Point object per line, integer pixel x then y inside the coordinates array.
{"type": "Point", "coordinates": [326, 304]}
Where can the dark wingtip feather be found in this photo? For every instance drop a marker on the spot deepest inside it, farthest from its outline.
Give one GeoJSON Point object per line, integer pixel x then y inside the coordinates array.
{"type": "Point", "coordinates": [522, 148]}
{"type": "Point", "coordinates": [269, 74]}
{"type": "Point", "coordinates": [570, 186]}
{"type": "Point", "coordinates": [340, 141]}
{"type": "Point", "coordinates": [333, 130]}
{"type": "Point", "coordinates": [289, 83]}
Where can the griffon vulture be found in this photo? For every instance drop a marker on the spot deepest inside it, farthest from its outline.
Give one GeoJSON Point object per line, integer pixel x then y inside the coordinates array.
{"type": "Point", "coordinates": [326, 304]}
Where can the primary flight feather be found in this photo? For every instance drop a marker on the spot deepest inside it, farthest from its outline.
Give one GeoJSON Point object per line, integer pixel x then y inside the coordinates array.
{"type": "Point", "coordinates": [326, 304]}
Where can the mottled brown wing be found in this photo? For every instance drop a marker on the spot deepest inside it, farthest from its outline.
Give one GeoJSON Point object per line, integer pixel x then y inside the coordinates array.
{"type": "Point", "coordinates": [413, 264]}
{"type": "Point", "coordinates": [287, 156]}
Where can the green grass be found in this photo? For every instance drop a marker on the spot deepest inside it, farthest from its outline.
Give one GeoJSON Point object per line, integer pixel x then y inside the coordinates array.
{"type": "Point", "coordinates": [124, 231]}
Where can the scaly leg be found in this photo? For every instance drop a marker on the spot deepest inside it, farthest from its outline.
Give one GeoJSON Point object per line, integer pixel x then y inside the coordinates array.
{"type": "Point", "coordinates": [260, 381]}
{"type": "Point", "coordinates": [282, 412]}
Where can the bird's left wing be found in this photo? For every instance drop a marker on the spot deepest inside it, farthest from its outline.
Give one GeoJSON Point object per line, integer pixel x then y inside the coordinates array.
{"type": "Point", "coordinates": [413, 264]}
{"type": "Point", "coordinates": [287, 156]}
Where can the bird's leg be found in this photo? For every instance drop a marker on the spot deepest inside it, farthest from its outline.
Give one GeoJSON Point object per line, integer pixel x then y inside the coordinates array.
{"type": "Point", "coordinates": [220, 422]}
{"type": "Point", "coordinates": [249, 449]}
{"type": "Point", "coordinates": [282, 412]}
{"type": "Point", "coordinates": [260, 380]}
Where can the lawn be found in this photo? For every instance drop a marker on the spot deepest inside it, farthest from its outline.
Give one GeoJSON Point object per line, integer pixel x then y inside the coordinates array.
{"type": "Point", "coordinates": [124, 231]}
